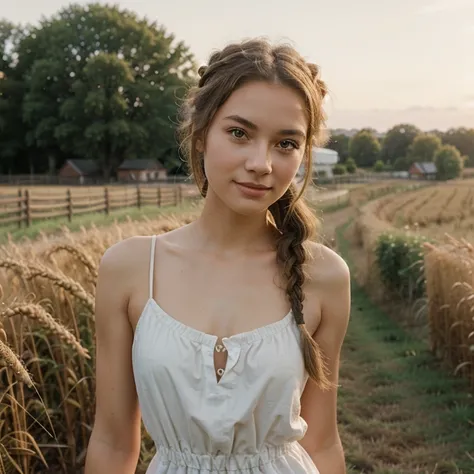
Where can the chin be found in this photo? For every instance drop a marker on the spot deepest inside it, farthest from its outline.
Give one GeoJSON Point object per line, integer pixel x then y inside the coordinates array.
{"type": "Point", "coordinates": [247, 207]}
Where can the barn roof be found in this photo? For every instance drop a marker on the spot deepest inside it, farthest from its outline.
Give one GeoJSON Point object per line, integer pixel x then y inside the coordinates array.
{"type": "Point", "coordinates": [85, 167]}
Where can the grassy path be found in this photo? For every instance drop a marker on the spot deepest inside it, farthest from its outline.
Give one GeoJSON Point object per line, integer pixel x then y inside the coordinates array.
{"type": "Point", "coordinates": [398, 412]}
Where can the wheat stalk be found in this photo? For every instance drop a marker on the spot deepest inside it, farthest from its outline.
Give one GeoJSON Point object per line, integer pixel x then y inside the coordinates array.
{"type": "Point", "coordinates": [45, 320]}
{"type": "Point", "coordinates": [31, 271]}
{"type": "Point", "coordinates": [77, 252]}
{"type": "Point", "coordinates": [12, 361]}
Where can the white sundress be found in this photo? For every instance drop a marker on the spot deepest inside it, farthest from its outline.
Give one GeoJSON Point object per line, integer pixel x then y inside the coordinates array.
{"type": "Point", "coordinates": [247, 422]}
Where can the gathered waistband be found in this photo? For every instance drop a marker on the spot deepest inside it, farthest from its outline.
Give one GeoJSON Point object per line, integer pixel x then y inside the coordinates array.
{"type": "Point", "coordinates": [222, 462]}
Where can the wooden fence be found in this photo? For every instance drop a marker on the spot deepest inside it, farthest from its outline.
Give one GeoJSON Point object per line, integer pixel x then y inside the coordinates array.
{"type": "Point", "coordinates": [33, 204]}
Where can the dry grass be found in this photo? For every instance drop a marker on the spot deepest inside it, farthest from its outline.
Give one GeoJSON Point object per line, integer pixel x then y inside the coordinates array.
{"type": "Point", "coordinates": [434, 211]}
{"type": "Point", "coordinates": [47, 346]}
{"type": "Point", "coordinates": [450, 291]}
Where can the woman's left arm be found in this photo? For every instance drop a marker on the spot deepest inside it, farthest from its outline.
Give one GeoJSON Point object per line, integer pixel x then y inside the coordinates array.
{"type": "Point", "coordinates": [319, 408]}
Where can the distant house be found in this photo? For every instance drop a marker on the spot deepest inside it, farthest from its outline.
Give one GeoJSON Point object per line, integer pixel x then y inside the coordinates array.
{"type": "Point", "coordinates": [423, 170]}
{"type": "Point", "coordinates": [323, 161]}
{"type": "Point", "coordinates": [141, 170]}
{"type": "Point", "coordinates": [80, 170]}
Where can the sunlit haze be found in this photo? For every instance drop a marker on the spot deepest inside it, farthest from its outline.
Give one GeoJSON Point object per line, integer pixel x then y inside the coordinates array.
{"type": "Point", "coordinates": [385, 62]}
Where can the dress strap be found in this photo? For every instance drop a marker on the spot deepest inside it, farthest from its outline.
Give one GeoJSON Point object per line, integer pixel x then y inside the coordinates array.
{"type": "Point", "coordinates": [152, 263]}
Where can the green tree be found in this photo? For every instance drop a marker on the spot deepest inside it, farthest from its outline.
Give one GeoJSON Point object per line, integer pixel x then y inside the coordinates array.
{"type": "Point", "coordinates": [402, 163]}
{"type": "Point", "coordinates": [397, 141]}
{"type": "Point", "coordinates": [340, 143]}
{"type": "Point", "coordinates": [449, 162]}
{"type": "Point", "coordinates": [103, 84]}
{"type": "Point", "coordinates": [351, 165]}
{"type": "Point", "coordinates": [379, 166]}
{"type": "Point", "coordinates": [364, 148]}
{"type": "Point", "coordinates": [463, 139]}
{"type": "Point", "coordinates": [12, 143]}
{"type": "Point", "coordinates": [95, 118]}
{"type": "Point", "coordinates": [424, 148]}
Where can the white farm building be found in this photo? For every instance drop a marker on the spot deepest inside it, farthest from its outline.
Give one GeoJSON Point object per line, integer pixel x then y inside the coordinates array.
{"type": "Point", "coordinates": [324, 160]}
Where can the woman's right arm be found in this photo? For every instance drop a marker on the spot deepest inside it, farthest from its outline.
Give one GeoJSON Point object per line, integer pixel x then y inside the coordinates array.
{"type": "Point", "coordinates": [114, 444]}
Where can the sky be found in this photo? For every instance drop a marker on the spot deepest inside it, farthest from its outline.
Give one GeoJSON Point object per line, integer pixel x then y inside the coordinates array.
{"type": "Point", "coordinates": [385, 61]}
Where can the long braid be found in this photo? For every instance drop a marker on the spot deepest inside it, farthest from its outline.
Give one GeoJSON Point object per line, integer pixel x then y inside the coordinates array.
{"type": "Point", "coordinates": [296, 224]}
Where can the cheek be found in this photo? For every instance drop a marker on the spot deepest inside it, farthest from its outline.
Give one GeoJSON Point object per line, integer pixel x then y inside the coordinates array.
{"type": "Point", "coordinates": [286, 167]}
{"type": "Point", "coordinates": [220, 156]}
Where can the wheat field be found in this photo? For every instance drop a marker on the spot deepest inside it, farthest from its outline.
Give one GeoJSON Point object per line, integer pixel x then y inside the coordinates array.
{"type": "Point", "coordinates": [47, 345]}
{"type": "Point", "coordinates": [434, 211]}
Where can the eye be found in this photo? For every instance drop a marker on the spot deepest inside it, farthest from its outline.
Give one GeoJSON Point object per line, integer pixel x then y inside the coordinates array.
{"type": "Point", "coordinates": [288, 145]}
{"type": "Point", "coordinates": [237, 133]}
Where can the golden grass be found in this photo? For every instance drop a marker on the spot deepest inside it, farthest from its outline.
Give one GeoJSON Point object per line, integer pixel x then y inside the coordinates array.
{"type": "Point", "coordinates": [47, 344]}
{"type": "Point", "coordinates": [435, 210]}
{"type": "Point", "coordinates": [449, 272]}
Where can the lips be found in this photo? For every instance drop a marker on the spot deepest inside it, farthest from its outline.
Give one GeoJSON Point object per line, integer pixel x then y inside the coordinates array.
{"type": "Point", "coordinates": [254, 186]}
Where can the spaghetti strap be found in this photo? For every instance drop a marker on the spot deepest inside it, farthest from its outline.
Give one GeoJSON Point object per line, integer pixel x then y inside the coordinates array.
{"type": "Point", "coordinates": [152, 264]}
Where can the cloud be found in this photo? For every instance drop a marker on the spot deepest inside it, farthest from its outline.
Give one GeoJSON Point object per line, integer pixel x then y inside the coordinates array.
{"type": "Point", "coordinates": [439, 6]}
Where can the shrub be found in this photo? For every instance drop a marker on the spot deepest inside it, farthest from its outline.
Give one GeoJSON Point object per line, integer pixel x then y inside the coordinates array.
{"type": "Point", "coordinates": [351, 165]}
{"type": "Point", "coordinates": [400, 261]}
{"type": "Point", "coordinates": [379, 166]}
{"type": "Point", "coordinates": [339, 169]}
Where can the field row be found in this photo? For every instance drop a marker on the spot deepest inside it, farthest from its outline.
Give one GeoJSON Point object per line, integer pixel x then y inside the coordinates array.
{"type": "Point", "coordinates": [434, 210]}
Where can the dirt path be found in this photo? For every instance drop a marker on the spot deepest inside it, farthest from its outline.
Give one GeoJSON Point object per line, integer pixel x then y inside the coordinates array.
{"type": "Point", "coordinates": [399, 413]}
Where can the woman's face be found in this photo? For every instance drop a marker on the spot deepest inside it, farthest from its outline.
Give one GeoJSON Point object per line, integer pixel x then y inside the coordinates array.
{"type": "Point", "coordinates": [255, 145]}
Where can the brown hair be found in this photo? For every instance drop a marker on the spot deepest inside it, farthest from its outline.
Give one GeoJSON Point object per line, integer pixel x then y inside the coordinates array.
{"type": "Point", "coordinates": [228, 70]}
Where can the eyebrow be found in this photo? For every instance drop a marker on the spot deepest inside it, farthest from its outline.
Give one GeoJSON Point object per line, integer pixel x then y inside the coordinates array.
{"type": "Point", "coordinates": [252, 126]}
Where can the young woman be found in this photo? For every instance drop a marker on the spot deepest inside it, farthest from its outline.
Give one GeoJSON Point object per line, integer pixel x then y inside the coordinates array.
{"type": "Point", "coordinates": [225, 334]}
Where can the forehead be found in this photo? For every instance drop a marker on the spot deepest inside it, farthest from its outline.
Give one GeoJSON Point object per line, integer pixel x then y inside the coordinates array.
{"type": "Point", "coordinates": [269, 106]}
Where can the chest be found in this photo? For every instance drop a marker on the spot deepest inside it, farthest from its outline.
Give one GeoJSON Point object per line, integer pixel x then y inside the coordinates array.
{"type": "Point", "coordinates": [170, 354]}
{"type": "Point", "coordinates": [219, 297]}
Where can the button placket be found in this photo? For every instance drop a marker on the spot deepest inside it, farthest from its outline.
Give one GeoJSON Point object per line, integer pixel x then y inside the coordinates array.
{"type": "Point", "coordinates": [233, 354]}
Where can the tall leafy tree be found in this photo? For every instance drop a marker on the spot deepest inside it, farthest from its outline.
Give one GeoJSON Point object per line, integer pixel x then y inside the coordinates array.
{"type": "Point", "coordinates": [103, 84]}
{"type": "Point", "coordinates": [397, 141]}
{"type": "Point", "coordinates": [463, 139]}
{"type": "Point", "coordinates": [424, 148]}
{"type": "Point", "coordinates": [364, 148]}
{"type": "Point", "coordinates": [449, 162]}
{"type": "Point", "coordinates": [340, 143]}
{"type": "Point", "coordinates": [11, 95]}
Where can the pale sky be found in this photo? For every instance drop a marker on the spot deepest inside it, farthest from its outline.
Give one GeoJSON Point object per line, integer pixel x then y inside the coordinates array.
{"type": "Point", "coordinates": [385, 61]}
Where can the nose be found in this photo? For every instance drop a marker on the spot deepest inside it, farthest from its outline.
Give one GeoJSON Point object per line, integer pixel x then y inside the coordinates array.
{"type": "Point", "coordinates": [259, 160]}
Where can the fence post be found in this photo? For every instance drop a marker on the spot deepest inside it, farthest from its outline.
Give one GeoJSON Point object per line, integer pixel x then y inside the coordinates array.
{"type": "Point", "coordinates": [176, 195]}
{"type": "Point", "coordinates": [20, 208]}
{"type": "Point", "coordinates": [106, 200]}
{"type": "Point", "coordinates": [180, 192]}
{"type": "Point", "coordinates": [27, 208]}
{"type": "Point", "coordinates": [69, 205]}
{"type": "Point", "coordinates": [139, 204]}
{"type": "Point", "coordinates": [158, 196]}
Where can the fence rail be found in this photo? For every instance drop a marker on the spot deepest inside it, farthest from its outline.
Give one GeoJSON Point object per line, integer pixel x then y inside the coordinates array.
{"type": "Point", "coordinates": [29, 205]}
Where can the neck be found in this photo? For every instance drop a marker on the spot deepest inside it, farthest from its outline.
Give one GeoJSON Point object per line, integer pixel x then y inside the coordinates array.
{"type": "Point", "coordinates": [220, 230]}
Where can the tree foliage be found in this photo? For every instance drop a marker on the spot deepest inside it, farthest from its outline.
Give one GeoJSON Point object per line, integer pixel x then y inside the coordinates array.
{"type": "Point", "coordinates": [340, 143]}
{"type": "Point", "coordinates": [424, 148]}
{"type": "Point", "coordinates": [98, 82]}
{"type": "Point", "coordinates": [449, 162]}
{"type": "Point", "coordinates": [463, 139]}
{"type": "Point", "coordinates": [397, 141]}
{"type": "Point", "coordinates": [364, 148]}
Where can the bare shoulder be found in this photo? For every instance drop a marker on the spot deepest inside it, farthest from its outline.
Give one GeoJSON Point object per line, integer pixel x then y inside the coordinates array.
{"type": "Point", "coordinates": [122, 262]}
{"type": "Point", "coordinates": [326, 267]}
{"type": "Point", "coordinates": [329, 279]}
{"type": "Point", "coordinates": [124, 252]}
